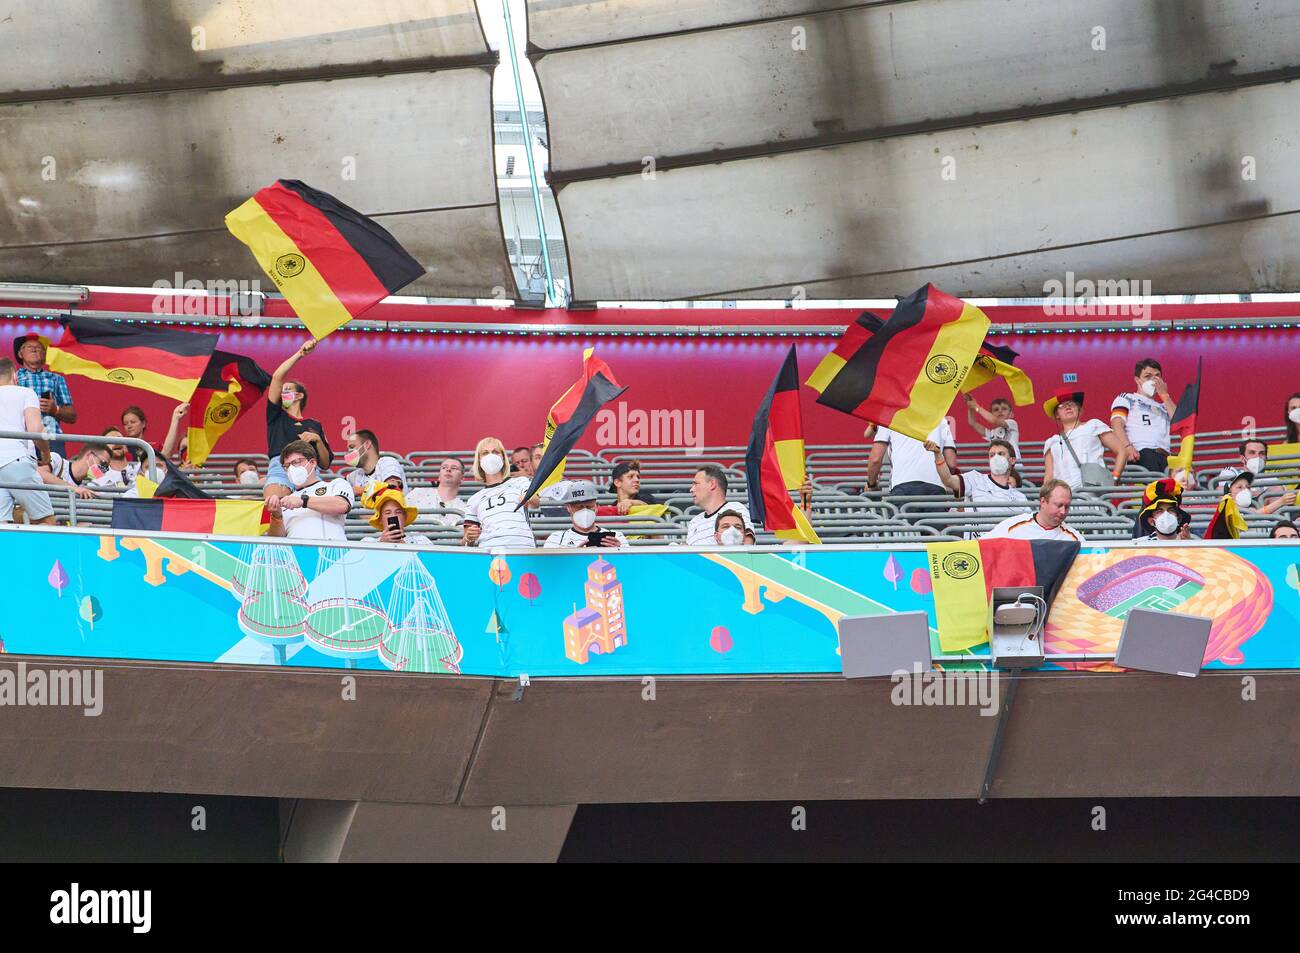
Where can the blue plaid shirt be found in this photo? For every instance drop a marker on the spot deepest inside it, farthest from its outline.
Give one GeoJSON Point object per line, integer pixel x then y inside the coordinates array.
{"type": "Point", "coordinates": [44, 381]}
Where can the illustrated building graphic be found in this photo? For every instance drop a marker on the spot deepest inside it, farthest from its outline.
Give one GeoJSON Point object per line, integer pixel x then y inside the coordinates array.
{"type": "Point", "coordinates": [600, 626]}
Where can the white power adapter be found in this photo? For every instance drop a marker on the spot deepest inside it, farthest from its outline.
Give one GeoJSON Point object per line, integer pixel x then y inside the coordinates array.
{"type": "Point", "coordinates": [1015, 613]}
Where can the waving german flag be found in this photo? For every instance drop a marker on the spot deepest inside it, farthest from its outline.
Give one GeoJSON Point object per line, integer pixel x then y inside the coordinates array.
{"type": "Point", "coordinates": [159, 360]}
{"type": "Point", "coordinates": [905, 375]}
{"type": "Point", "coordinates": [329, 261]}
{"type": "Point", "coordinates": [569, 416]}
{"type": "Point", "coordinates": [231, 384]}
{"type": "Point", "coordinates": [998, 360]}
{"type": "Point", "coordinates": [774, 462]}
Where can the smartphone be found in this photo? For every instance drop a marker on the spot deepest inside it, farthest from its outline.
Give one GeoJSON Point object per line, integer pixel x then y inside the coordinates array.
{"type": "Point", "coordinates": [597, 537]}
{"type": "Point", "coordinates": [393, 524]}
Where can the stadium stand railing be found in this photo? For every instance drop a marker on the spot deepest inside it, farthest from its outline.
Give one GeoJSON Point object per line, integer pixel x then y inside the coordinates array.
{"type": "Point", "coordinates": [841, 512]}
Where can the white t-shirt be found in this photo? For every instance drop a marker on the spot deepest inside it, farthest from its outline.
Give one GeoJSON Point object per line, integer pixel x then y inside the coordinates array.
{"type": "Point", "coordinates": [62, 468]}
{"type": "Point", "coordinates": [979, 488]}
{"type": "Point", "coordinates": [1025, 526]}
{"type": "Point", "coordinates": [1086, 441]}
{"type": "Point", "coordinates": [493, 508]}
{"type": "Point", "coordinates": [909, 461]}
{"type": "Point", "coordinates": [1009, 431]}
{"type": "Point", "coordinates": [386, 467]}
{"type": "Point", "coordinates": [431, 506]}
{"type": "Point", "coordinates": [14, 401]}
{"type": "Point", "coordinates": [304, 523]}
{"type": "Point", "coordinates": [700, 530]}
{"type": "Point", "coordinates": [572, 538]}
{"type": "Point", "coordinates": [1145, 419]}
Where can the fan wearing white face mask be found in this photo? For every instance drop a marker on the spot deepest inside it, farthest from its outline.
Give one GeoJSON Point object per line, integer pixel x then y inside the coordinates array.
{"type": "Point", "coordinates": [1254, 458]}
{"type": "Point", "coordinates": [491, 515]}
{"type": "Point", "coordinates": [1141, 418]}
{"type": "Point", "coordinates": [314, 508]}
{"type": "Point", "coordinates": [976, 487]}
{"type": "Point", "coordinates": [579, 498]}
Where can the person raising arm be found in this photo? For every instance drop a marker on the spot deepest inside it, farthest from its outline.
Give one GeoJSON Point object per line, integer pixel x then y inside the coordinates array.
{"type": "Point", "coordinates": [286, 402]}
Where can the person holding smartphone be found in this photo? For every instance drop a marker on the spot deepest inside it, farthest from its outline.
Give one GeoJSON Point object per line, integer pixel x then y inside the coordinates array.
{"type": "Point", "coordinates": [392, 516]}
{"type": "Point", "coordinates": [579, 498]}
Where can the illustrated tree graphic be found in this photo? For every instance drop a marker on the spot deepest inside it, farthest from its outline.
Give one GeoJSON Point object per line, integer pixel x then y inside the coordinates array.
{"type": "Point", "coordinates": [423, 639]}
{"type": "Point", "coordinates": [272, 610]}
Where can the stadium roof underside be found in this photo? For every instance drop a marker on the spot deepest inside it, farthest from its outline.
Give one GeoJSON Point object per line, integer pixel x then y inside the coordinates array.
{"type": "Point", "coordinates": [129, 129]}
{"type": "Point", "coordinates": [753, 148]}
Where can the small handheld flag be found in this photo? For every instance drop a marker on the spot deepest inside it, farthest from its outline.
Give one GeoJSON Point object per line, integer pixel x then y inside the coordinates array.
{"type": "Point", "coordinates": [331, 262]}
{"type": "Point", "coordinates": [905, 375]}
{"type": "Point", "coordinates": [774, 462]}
{"type": "Point", "coordinates": [159, 360]}
{"type": "Point", "coordinates": [568, 419]}
{"type": "Point", "coordinates": [1183, 423]}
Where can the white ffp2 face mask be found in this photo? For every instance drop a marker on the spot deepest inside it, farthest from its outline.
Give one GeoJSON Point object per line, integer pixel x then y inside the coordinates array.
{"type": "Point", "coordinates": [249, 478]}
{"type": "Point", "coordinates": [1255, 464]}
{"type": "Point", "coordinates": [1166, 523]}
{"type": "Point", "coordinates": [297, 474]}
{"type": "Point", "coordinates": [1293, 415]}
{"type": "Point", "coordinates": [584, 519]}
{"type": "Point", "coordinates": [491, 463]}
{"type": "Point", "coordinates": [1243, 498]}
{"type": "Point", "coordinates": [731, 536]}
{"type": "Point", "coordinates": [999, 465]}
{"type": "Point", "coordinates": [1149, 388]}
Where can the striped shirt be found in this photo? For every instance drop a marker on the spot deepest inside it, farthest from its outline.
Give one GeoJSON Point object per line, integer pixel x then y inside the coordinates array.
{"type": "Point", "coordinates": [493, 508]}
{"type": "Point", "coordinates": [44, 382]}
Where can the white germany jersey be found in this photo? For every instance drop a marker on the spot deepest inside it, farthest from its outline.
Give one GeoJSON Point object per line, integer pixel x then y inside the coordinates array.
{"type": "Point", "coordinates": [1145, 419]}
{"type": "Point", "coordinates": [700, 530]}
{"type": "Point", "coordinates": [493, 508]}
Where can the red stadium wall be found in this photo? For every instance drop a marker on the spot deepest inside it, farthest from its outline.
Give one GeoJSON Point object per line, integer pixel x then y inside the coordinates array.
{"type": "Point", "coordinates": [430, 391]}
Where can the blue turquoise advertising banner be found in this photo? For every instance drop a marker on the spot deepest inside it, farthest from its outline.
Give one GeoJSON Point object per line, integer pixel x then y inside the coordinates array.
{"type": "Point", "coordinates": [87, 594]}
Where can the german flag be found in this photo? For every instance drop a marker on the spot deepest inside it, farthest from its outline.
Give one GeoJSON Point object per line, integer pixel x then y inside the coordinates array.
{"type": "Point", "coordinates": [774, 462]}
{"type": "Point", "coordinates": [965, 573]}
{"type": "Point", "coordinates": [174, 483]}
{"type": "Point", "coordinates": [1183, 423]}
{"type": "Point", "coordinates": [998, 360]}
{"type": "Point", "coordinates": [906, 375]}
{"type": "Point", "coordinates": [159, 360]}
{"type": "Point", "coordinates": [219, 517]}
{"type": "Point", "coordinates": [329, 261]}
{"type": "Point", "coordinates": [569, 416]}
{"type": "Point", "coordinates": [993, 360]}
{"type": "Point", "coordinates": [231, 384]}
{"type": "Point", "coordinates": [1227, 521]}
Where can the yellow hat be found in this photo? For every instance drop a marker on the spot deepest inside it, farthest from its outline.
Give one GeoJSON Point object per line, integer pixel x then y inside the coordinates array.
{"type": "Point", "coordinates": [390, 493]}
